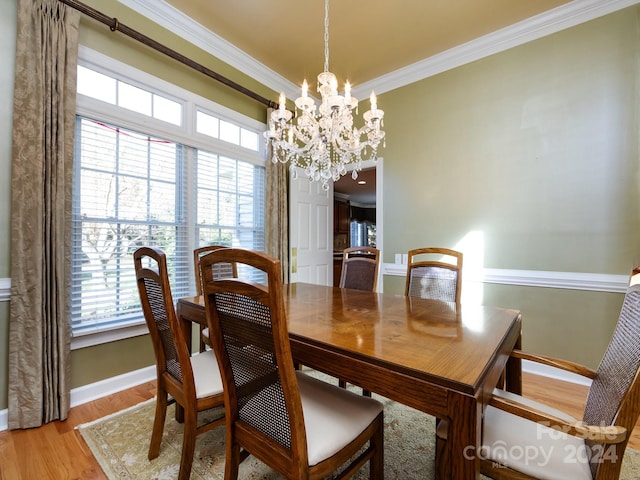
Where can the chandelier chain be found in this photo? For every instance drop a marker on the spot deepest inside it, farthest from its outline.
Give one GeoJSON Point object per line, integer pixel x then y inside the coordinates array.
{"type": "Point", "coordinates": [326, 35]}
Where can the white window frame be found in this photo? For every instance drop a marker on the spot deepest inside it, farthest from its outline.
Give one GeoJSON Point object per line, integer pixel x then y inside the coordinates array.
{"type": "Point", "coordinates": [185, 134]}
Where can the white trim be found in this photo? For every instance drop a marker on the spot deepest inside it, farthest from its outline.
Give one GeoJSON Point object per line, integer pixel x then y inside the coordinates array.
{"type": "Point", "coordinates": [600, 282]}
{"type": "Point", "coordinates": [96, 390]}
{"type": "Point", "coordinates": [597, 282]}
{"type": "Point", "coordinates": [186, 27]}
{"type": "Point", "coordinates": [108, 386]}
{"type": "Point", "coordinates": [550, 372]}
{"type": "Point", "coordinates": [90, 339]}
{"type": "Point", "coordinates": [547, 23]}
{"type": "Point", "coordinates": [5, 289]}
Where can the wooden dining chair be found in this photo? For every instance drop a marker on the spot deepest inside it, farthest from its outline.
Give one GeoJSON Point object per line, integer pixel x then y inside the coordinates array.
{"type": "Point", "coordinates": [298, 425]}
{"type": "Point", "coordinates": [430, 276]}
{"type": "Point", "coordinates": [359, 272]}
{"type": "Point", "coordinates": [360, 268]}
{"type": "Point", "coordinates": [222, 270]}
{"type": "Point", "coordinates": [557, 445]}
{"type": "Point", "coordinates": [194, 382]}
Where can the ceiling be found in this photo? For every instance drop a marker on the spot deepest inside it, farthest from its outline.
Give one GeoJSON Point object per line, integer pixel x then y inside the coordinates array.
{"type": "Point", "coordinates": [367, 38]}
{"type": "Point", "coordinates": [358, 192]}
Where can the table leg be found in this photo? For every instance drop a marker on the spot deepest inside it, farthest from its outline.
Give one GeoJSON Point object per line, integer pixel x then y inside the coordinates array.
{"type": "Point", "coordinates": [513, 371]}
{"type": "Point", "coordinates": [464, 437]}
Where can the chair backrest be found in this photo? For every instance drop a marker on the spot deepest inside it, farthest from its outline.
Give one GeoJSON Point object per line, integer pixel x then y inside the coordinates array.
{"type": "Point", "coordinates": [614, 395]}
{"type": "Point", "coordinates": [360, 268]}
{"type": "Point", "coordinates": [248, 325]}
{"type": "Point", "coordinates": [170, 347]}
{"type": "Point", "coordinates": [431, 277]}
{"type": "Point", "coordinates": [222, 270]}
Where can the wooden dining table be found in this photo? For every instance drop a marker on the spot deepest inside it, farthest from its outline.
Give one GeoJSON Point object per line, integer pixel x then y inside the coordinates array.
{"type": "Point", "coordinates": [438, 357]}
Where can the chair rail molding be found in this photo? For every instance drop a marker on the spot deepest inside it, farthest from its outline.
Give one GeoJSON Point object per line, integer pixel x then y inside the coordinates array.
{"type": "Point", "coordinates": [5, 289]}
{"type": "Point", "coordinates": [597, 282]}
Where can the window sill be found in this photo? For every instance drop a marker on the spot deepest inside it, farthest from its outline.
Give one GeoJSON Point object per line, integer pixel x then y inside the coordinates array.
{"type": "Point", "coordinates": [105, 336]}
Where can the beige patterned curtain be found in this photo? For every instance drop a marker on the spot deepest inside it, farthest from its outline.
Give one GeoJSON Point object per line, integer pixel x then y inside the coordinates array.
{"type": "Point", "coordinates": [43, 125]}
{"type": "Point", "coordinates": [277, 227]}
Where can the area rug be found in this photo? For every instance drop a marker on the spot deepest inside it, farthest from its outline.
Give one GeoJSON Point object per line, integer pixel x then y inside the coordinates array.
{"type": "Point", "coordinates": [120, 443]}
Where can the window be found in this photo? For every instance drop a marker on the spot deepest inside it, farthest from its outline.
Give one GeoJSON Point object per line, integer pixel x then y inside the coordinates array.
{"type": "Point", "coordinates": [142, 177]}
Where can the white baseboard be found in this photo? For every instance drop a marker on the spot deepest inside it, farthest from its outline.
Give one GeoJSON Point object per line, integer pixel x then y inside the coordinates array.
{"type": "Point", "coordinates": [557, 374]}
{"type": "Point", "coordinates": [93, 391]}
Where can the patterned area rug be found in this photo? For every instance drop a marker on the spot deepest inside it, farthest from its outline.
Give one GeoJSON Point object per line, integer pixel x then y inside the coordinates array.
{"type": "Point", "coordinates": [120, 443]}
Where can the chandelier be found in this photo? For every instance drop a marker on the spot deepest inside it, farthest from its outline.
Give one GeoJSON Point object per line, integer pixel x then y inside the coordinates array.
{"type": "Point", "coordinates": [322, 140]}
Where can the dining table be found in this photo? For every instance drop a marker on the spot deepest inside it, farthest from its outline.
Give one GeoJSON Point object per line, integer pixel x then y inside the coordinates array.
{"type": "Point", "coordinates": [438, 357]}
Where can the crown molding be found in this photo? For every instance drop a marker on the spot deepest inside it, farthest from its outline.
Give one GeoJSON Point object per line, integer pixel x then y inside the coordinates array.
{"type": "Point", "coordinates": [186, 27]}
{"type": "Point", "coordinates": [555, 20]}
{"type": "Point", "coordinates": [547, 23]}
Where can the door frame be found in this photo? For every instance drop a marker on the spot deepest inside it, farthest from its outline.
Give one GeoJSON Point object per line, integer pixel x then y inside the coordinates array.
{"type": "Point", "coordinates": [378, 165]}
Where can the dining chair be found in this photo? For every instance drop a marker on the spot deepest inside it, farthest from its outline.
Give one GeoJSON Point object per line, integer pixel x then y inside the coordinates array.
{"type": "Point", "coordinates": [296, 424]}
{"type": "Point", "coordinates": [430, 276]}
{"type": "Point", "coordinates": [193, 382]}
{"type": "Point", "coordinates": [557, 445]}
{"type": "Point", "coordinates": [359, 272]}
{"type": "Point", "coordinates": [360, 268]}
{"type": "Point", "coordinates": [222, 270]}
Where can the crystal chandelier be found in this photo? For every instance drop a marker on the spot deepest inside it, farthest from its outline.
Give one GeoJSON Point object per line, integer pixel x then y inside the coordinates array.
{"type": "Point", "coordinates": [322, 139]}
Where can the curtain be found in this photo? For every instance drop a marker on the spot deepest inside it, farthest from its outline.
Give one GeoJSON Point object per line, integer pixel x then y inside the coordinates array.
{"type": "Point", "coordinates": [277, 226]}
{"type": "Point", "coordinates": [41, 179]}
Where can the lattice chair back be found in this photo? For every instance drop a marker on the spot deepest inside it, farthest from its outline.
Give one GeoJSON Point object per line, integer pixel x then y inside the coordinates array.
{"type": "Point", "coordinates": [222, 270]}
{"type": "Point", "coordinates": [248, 322]}
{"type": "Point", "coordinates": [434, 279]}
{"type": "Point", "coordinates": [360, 268]}
{"type": "Point", "coordinates": [614, 395]}
{"type": "Point", "coordinates": [159, 312]}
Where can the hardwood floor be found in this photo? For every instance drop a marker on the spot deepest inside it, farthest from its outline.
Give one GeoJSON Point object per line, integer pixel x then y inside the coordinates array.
{"type": "Point", "coordinates": [57, 452]}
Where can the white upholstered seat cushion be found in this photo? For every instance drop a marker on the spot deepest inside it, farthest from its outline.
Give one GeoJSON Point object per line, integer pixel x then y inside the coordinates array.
{"type": "Point", "coordinates": [205, 332]}
{"type": "Point", "coordinates": [333, 416]}
{"type": "Point", "coordinates": [532, 448]}
{"type": "Point", "coordinates": [206, 374]}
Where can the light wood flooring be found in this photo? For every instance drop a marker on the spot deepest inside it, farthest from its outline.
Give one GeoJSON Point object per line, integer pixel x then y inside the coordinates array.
{"type": "Point", "coordinates": [57, 452]}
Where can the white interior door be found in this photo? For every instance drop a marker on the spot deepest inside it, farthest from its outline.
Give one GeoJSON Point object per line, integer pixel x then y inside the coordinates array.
{"type": "Point", "coordinates": [310, 232]}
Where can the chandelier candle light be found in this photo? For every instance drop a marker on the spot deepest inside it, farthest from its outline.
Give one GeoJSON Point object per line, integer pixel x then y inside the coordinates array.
{"type": "Point", "coordinates": [322, 140]}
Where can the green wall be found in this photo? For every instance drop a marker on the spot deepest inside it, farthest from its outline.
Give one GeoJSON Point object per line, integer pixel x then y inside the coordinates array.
{"type": "Point", "coordinates": [533, 155]}
{"type": "Point", "coordinates": [534, 150]}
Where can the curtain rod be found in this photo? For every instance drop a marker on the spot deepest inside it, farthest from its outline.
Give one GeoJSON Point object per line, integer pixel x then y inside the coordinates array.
{"type": "Point", "coordinates": [114, 25]}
